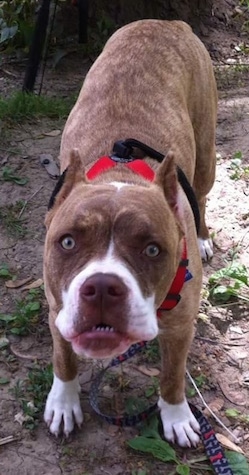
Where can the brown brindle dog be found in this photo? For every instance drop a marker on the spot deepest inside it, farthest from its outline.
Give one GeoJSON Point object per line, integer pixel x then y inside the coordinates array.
{"type": "Point", "coordinates": [115, 238]}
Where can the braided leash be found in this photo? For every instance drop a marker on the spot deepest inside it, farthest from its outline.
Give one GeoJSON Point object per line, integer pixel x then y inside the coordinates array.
{"type": "Point", "coordinates": [212, 446]}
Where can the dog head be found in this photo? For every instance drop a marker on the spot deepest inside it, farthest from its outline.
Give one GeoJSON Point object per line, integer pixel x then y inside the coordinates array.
{"type": "Point", "coordinates": [111, 252]}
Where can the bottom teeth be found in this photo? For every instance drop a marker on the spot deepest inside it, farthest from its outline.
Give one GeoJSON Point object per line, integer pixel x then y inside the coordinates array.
{"type": "Point", "coordinates": [101, 328]}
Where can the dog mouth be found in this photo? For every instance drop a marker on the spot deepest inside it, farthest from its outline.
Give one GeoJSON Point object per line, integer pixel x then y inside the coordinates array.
{"type": "Point", "coordinates": [101, 341]}
{"type": "Point", "coordinates": [103, 328]}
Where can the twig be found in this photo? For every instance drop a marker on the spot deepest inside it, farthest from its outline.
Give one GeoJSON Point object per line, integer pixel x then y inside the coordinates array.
{"type": "Point", "coordinates": [8, 439]}
{"type": "Point", "coordinates": [27, 201]}
{"type": "Point", "coordinates": [207, 340]}
{"type": "Point", "coordinates": [209, 409]}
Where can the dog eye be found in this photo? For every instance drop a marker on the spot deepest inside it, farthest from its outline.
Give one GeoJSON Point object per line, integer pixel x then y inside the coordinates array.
{"type": "Point", "coordinates": [67, 243]}
{"type": "Point", "coordinates": [152, 250]}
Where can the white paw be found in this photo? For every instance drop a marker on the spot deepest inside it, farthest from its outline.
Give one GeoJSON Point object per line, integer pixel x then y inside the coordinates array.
{"type": "Point", "coordinates": [179, 424]}
{"type": "Point", "coordinates": [206, 248]}
{"type": "Point", "coordinates": [63, 405]}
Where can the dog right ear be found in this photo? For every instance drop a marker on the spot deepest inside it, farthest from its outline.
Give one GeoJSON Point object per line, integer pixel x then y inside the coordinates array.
{"type": "Point", "coordinates": [73, 174]}
{"type": "Point", "coordinates": [166, 178]}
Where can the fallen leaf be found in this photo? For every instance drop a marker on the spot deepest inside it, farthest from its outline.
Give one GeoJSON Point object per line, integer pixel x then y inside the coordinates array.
{"type": "Point", "coordinates": [14, 284]}
{"type": "Point", "coordinates": [21, 418]}
{"type": "Point", "coordinates": [53, 133]}
{"type": "Point", "coordinates": [111, 430]}
{"type": "Point", "coordinates": [236, 395]}
{"type": "Point", "coordinates": [238, 354]}
{"type": "Point", "coordinates": [228, 444]}
{"type": "Point", "coordinates": [235, 329]}
{"type": "Point", "coordinates": [148, 371]}
{"type": "Point", "coordinates": [216, 405]}
{"type": "Point", "coordinates": [34, 285]}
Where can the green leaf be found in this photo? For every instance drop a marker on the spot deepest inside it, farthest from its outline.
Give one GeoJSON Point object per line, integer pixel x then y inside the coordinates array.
{"type": "Point", "coordinates": [150, 428]}
{"type": "Point", "coordinates": [7, 318]}
{"type": "Point", "coordinates": [222, 293]}
{"type": "Point", "coordinates": [8, 175]}
{"type": "Point", "coordinates": [34, 306]}
{"type": "Point", "coordinates": [150, 391]}
{"type": "Point", "coordinates": [237, 462]}
{"type": "Point", "coordinates": [4, 272]}
{"type": "Point", "coordinates": [4, 34]}
{"type": "Point", "coordinates": [12, 30]}
{"type": "Point", "coordinates": [235, 271]}
{"type": "Point", "coordinates": [238, 155]}
{"type": "Point", "coordinates": [158, 448]}
{"type": "Point", "coordinates": [232, 412]}
{"type": "Point", "coordinates": [183, 469]}
{"type": "Point", "coordinates": [4, 380]}
{"type": "Point", "coordinates": [135, 404]}
{"type": "Point", "coordinates": [16, 331]}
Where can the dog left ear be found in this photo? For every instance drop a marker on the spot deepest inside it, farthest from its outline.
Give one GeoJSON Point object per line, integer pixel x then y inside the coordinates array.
{"type": "Point", "coordinates": [166, 178]}
{"type": "Point", "coordinates": [73, 174]}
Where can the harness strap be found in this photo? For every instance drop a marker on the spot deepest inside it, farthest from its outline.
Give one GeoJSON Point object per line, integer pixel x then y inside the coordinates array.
{"type": "Point", "coordinates": [105, 163]}
{"type": "Point", "coordinates": [173, 296]}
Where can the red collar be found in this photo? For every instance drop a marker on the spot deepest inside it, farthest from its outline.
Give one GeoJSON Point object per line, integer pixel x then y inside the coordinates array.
{"type": "Point", "coordinates": [142, 168]}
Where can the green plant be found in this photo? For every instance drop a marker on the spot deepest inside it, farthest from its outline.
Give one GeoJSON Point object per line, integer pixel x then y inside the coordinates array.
{"type": "Point", "coordinates": [200, 382]}
{"type": "Point", "coordinates": [9, 217]}
{"type": "Point", "coordinates": [31, 394]}
{"type": "Point", "coordinates": [38, 385]}
{"type": "Point", "coordinates": [152, 351]}
{"type": "Point", "coordinates": [244, 3]}
{"type": "Point", "coordinates": [4, 271]}
{"type": "Point", "coordinates": [100, 32]}
{"type": "Point", "coordinates": [237, 415]}
{"type": "Point", "coordinates": [153, 388]}
{"type": "Point", "coordinates": [139, 472]}
{"type": "Point", "coordinates": [149, 441]}
{"type": "Point", "coordinates": [23, 106]}
{"type": "Point", "coordinates": [16, 23]}
{"type": "Point", "coordinates": [10, 175]}
{"type": "Point", "coordinates": [135, 404]}
{"type": "Point", "coordinates": [25, 316]}
{"type": "Point", "coordinates": [238, 169]}
{"type": "Point", "coordinates": [228, 283]}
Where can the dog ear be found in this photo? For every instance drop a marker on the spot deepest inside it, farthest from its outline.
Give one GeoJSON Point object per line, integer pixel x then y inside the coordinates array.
{"type": "Point", "coordinates": [166, 178]}
{"type": "Point", "coordinates": [73, 174]}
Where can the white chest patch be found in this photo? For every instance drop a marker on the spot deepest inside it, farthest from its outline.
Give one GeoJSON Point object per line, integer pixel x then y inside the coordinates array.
{"type": "Point", "coordinates": [119, 184]}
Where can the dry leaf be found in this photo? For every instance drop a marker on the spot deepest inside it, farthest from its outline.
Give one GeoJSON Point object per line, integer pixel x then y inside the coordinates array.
{"type": "Point", "coordinates": [34, 285]}
{"type": "Point", "coordinates": [148, 371]}
{"type": "Point", "coordinates": [21, 418]}
{"type": "Point", "coordinates": [111, 430]}
{"type": "Point", "coordinates": [235, 329]}
{"type": "Point", "coordinates": [228, 444]}
{"type": "Point", "coordinates": [238, 354]}
{"type": "Point", "coordinates": [216, 405]}
{"type": "Point", "coordinates": [233, 392]}
{"type": "Point", "coordinates": [53, 133]}
{"type": "Point", "coordinates": [14, 284]}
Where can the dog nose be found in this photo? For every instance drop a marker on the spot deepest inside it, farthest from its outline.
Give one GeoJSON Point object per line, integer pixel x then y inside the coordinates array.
{"type": "Point", "coordinates": [100, 287]}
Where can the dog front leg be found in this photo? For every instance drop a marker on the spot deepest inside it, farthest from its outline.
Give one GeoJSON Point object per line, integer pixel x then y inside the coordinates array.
{"type": "Point", "coordinates": [179, 424]}
{"type": "Point", "coordinates": [63, 402]}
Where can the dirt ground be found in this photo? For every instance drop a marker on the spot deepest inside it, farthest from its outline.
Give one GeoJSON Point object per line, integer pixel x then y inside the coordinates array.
{"type": "Point", "coordinates": [220, 349]}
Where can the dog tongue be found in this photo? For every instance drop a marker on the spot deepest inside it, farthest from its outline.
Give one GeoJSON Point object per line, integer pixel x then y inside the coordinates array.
{"type": "Point", "coordinates": [96, 344]}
